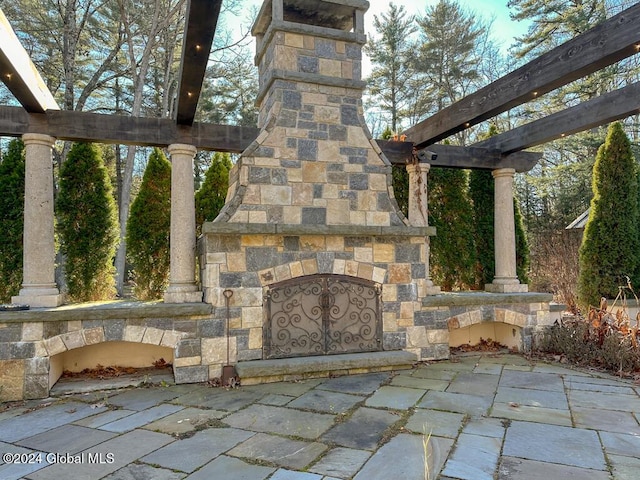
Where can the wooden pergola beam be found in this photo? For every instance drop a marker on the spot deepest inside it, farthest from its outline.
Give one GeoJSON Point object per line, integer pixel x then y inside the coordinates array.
{"type": "Point", "coordinates": [603, 45]}
{"type": "Point", "coordinates": [161, 132]}
{"type": "Point", "coordinates": [19, 74]}
{"type": "Point", "coordinates": [453, 156]}
{"type": "Point", "coordinates": [143, 131]}
{"type": "Point", "coordinates": [593, 113]}
{"type": "Point", "coordinates": [200, 26]}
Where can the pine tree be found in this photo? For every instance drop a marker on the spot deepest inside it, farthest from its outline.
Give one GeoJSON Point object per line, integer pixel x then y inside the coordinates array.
{"type": "Point", "coordinates": [11, 219]}
{"type": "Point", "coordinates": [87, 224]}
{"type": "Point", "coordinates": [609, 250]}
{"type": "Point", "coordinates": [149, 227]}
{"type": "Point", "coordinates": [211, 196]}
{"type": "Point", "coordinates": [391, 73]}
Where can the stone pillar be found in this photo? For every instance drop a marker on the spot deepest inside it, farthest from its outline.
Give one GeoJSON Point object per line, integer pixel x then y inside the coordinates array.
{"type": "Point", "coordinates": [182, 286]}
{"type": "Point", "coordinates": [39, 288]}
{"type": "Point", "coordinates": [506, 278]}
{"type": "Point", "coordinates": [419, 212]}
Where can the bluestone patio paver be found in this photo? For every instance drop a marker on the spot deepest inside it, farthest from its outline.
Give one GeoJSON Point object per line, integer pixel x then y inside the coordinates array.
{"type": "Point", "coordinates": [341, 462]}
{"type": "Point", "coordinates": [621, 444]}
{"type": "Point", "coordinates": [526, 413]}
{"type": "Point", "coordinates": [404, 458]}
{"type": "Point", "coordinates": [355, 384]}
{"type": "Point", "coordinates": [100, 419]}
{"type": "Point", "coordinates": [420, 383]}
{"type": "Point", "coordinates": [480, 384]}
{"type": "Point", "coordinates": [605, 401]}
{"type": "Point", "coordinates": [363, 430]}
{"type": "Point", "coordinates": [475, 458]}
{"type": "Point", "coordinates": [284, 452]}
{"type": "Point", "coordinates": [533, 380]}
{"type": "Point", "coordinates": [397, 398]}
{"type": "Point", "coordinates": [624, 468]}
{"type": "Point", "coordinates": [426, 371]}
{"type": "Point", "coordinates": [326, 401]}
{"type": "Point", "coordinates": [220, 398]}
{"type": "Point", "coordinates": [139, 399]}
{"type": "Point", "coordinates": [606, 420]}
{"type": "Point", "coordinates": [486, 427]}
{"type": "Point", "coordinates": [554, 444]}
{"type": "Point", "coordinates": [183, 421]}
{"type": "Point", "coordinates": [191, 453]}
{"type": "Point", "coordinates": [39, 421]}
{"type": "Point", "coordinates": [141, 418]}
{"type": "Point", "coordinates": [283, 474]}
{"type": "Point", "coordinates": [456, 402]}
{"type": "Point", "coordinates": [532, 398]}
{"type": "Point", "coordinates": [280, 420]}
{"type": "Point", "coordinates": [228, 468]}
{"type": "Point", "coordinates": [520, 469]}
{"type": "Point", "coordinates": [135, 471]}
{"type": "Point", "coordinates": [434, 422]}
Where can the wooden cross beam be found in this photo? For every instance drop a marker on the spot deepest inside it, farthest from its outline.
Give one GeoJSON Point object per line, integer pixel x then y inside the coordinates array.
{"type": "Point", "coordinates": [601, 110]}
{"type": "Point", "coordinates": [19, 74]}
{"type": "Point", "coordinates": [603, 45]}
{"type": "Point", "coordinates": [200, 26]}
{"type": "Point", "coordinates": [94, 127]}
{"type": "Point", "coordinates": [161, 132]}
{"type": "Point", "coordinates": [453, 156]}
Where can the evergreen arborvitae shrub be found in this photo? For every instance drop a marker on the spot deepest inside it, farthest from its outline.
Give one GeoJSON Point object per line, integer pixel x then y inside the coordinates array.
{"type": "Point", "coordinates": [11, 219]}
{"type": "Point", "coordinates": [87, 224]}
{"type": "Point", "coordinates": [209, 199]}
{"type": "Point", "coordinates": [453, 257]}
{"type": "Point", "coordinates": [149, 227]}
{"type": "Point", "coordinates": [609, 250]}
{"type": "Point", "coordinates": [481, 191]}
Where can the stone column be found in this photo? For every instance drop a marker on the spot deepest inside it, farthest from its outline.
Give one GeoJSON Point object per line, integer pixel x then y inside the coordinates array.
{"type": "Point", "coordinates": [182, 286]}
{"type": "Point", "coordinates": [506, 278]}
{"type": "Point", "coordinates": [39, 288]}
{"type": "Point", "coordinates": [419, 212]}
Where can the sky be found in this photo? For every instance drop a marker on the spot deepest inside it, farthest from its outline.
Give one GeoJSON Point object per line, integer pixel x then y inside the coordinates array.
{"type": "Point", "coordinates": [503, 29]}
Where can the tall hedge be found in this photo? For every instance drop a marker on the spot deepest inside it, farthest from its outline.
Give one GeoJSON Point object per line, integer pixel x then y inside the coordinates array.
{"type": "Point", "coordinates": [11, 219]}
{"type": "Point", "coordinates": [453, 253]}
{"type": "Point", "coordinates": [481, 191]}
{"type": "Point", "coordinates": [210, 198]}
{"type": "Point", "coordinates": [87, 224]}
{"type": "Point", "coordinates": [609, 250]}
{"type": "Point", "coordinates": [149, 227]}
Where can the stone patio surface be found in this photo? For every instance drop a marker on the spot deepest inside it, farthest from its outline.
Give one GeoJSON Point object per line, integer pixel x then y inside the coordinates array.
{"type": "Point", "coordinates": [480, 416]}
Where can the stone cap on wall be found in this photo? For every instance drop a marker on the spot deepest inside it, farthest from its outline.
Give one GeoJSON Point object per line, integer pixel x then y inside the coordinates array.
{"type": "Point", "coordinates": [452, 299]}
{"type": "Point", "coordinates": [105, 311]}
{"type": "Point", "coordinates": [292, 229]}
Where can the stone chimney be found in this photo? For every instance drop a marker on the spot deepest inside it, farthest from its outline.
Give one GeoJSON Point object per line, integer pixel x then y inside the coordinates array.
{"type": "Point", "coordinates": [314, 162]}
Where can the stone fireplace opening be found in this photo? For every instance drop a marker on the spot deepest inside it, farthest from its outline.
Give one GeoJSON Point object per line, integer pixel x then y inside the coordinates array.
{"type": "Point", "coordinates": [322, 315]}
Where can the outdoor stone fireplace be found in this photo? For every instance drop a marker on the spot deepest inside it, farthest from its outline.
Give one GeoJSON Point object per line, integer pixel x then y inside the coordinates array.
{"type": "Point", "coordinates": [310, 201]}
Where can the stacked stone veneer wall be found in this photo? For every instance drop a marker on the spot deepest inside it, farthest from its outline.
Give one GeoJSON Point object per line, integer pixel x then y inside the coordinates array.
{"type": "Point", "coordinates": [248, 263]}
{"type": "Point", "coordinates": [29, 339]}
{"type": "Point", "coordinates": [441, 314]}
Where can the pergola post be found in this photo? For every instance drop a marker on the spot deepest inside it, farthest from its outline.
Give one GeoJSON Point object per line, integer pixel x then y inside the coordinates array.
{"type": "Point", "coordinates": [39, 288]}
{"type": "Point", "coordinates": [419, 213]}
{"type": "Point", "coordinates": [506, 278]}
{"type": "Point", "coordinates": [182, 285]}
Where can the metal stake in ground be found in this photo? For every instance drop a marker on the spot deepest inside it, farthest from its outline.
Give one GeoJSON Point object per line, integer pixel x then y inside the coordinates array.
{"type": "Point", "coordinates": [229, 374]}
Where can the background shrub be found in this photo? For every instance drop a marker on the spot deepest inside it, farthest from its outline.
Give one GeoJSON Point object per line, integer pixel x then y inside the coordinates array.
{"type": "Point", "coordinates": [87, 224]}
{"type": "Point", "coordinates": [149, 228]}
{"type": "Point", "coordinates": [11, 219]}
